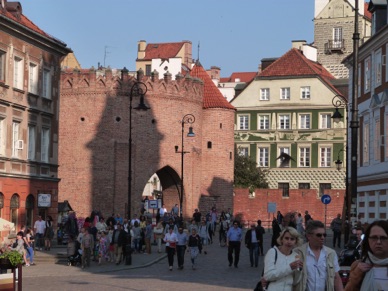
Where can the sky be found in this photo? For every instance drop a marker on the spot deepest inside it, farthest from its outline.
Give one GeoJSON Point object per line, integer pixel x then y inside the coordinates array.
{"type": "Point", "coordinates": [232, 34]}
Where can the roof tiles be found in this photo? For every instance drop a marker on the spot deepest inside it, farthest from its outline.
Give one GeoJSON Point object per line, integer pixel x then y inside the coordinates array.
{"type": "Point", "coordinates": [212, 97]}
{"type": "Point", "coordinates": [162, 50]}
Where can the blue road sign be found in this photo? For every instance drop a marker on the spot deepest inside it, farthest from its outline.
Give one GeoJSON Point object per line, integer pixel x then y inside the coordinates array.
{"type": "Point", "coordinates": [326, 199]}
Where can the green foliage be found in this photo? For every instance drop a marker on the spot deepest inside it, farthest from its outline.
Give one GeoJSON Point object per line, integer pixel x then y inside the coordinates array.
{"type": "Point", "coordinates": [14, 257]}
{"type": "Point", "coordinates": [247, 174]}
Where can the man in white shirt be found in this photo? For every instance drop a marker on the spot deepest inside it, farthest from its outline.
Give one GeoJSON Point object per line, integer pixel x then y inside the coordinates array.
{"type": "Point", "coordinates": [162, 210]}
{"type": "Point", "coordinates": [39, 228]}
{"type": "Point", "coordinates": [321, 263]}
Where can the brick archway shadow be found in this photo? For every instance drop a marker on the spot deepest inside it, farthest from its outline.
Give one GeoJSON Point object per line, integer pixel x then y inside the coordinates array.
{"type": "Point", "coordinates": [170, 181]}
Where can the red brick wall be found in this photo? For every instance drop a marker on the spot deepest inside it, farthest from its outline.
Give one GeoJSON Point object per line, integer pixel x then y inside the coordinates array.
{"type": "Point", "coordinates": [94, 134]}
{"type": "Point", "coordinates": [252, 209]}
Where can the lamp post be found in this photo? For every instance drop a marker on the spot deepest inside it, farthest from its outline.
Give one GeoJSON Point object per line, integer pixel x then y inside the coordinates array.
{"type": "Point", "coordinates": [189, 119]}
{"type": "Point", "coordinates": [138, 89]}
{"type": "Point", "coordinates": [339, 101]}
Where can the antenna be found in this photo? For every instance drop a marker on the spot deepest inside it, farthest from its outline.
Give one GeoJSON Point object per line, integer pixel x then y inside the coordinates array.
{"type": "Point", "coordinates": [106, 52]}
{"type": "Point", "coordinates": [198, 50]}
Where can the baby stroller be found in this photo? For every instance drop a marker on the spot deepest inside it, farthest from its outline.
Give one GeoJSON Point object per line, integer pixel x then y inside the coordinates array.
{"type": "Point", "coordinates": [75, 259]}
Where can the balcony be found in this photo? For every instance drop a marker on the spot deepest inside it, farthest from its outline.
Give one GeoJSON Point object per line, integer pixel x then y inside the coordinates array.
{"type": "Point", "coordinates": [335, 46]}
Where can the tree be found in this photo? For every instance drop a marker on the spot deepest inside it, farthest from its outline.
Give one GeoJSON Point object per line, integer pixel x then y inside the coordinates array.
{"type": "Point", "coordinates": [247, 174]}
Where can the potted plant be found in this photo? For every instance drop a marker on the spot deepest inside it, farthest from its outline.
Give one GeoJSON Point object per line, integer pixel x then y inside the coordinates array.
{"type": "Point", "coordinates": [11, 259]}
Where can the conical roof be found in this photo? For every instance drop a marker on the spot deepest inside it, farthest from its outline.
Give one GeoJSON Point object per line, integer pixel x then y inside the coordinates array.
{"type": "Point", "coordinates": [212, 97]}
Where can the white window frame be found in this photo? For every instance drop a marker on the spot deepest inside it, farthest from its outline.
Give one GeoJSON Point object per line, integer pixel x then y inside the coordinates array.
{"type": "Point", "coordinates": [18, 72]}
{"type": "Point", "coordinates": [304, 157]}
{"type": "Point", "coordinates": [3, 134]}
{"type": "Point", "coordinates": [31, 142]}
{"type": "Point", "coordinates": [46, 83]}
{"type": "Point", "coordinates": [15, 138]}
{"type": "Point", "coordinates": [304, 121]}
{"type": "Point", "coordinates": [377, 139]}
{"type": "Point", "coordinates": [378, 67]}
{"type": "Point", "coordinates": [45, 144]}
{"type": "Point", "coordinates": [285, 93]}
{"type": "Point", "coordinates": [325, 156]}
{"type": "Point", "coordinates": [337, 37]}
{"type": "Point", "coordinates": [243, 121]}
{"type": "Point", "coordinates": [325, 120]}
{"type": "Point", "coordinates": [243, 150]}
{"type": "Point", "coordinates": [264, 121]}
{"type": "Point", "coordinates": [365, 143]}
{"type": "Point", "coordinates": [286, 150]}
{"type": "Point", "coordinates": [284, 121]}
{"type": "Point", "coordinates": [3, 63]}
{"type": "Point", "coordinates": [263, 156]}
{"type": "Point", "coordinates": [305, 92]}
{"type": "Point", "coordinates": [367, 74]}
{"type": "Point", "coordinates": [264, 94]}
{"type": "Point", "coordinates": [33, 78]}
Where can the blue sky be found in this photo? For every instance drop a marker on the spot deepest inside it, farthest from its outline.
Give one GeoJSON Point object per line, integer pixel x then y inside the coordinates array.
{"type": "Point", "coordinates": [233, 34]}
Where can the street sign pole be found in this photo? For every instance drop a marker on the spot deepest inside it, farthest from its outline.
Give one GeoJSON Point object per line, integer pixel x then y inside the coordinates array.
{"type": "Point", "coordinates": [326, 199]}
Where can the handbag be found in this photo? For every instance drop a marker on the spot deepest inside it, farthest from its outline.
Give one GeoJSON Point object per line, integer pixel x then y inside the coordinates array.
{"type": "Point", "coordinates": [259, 286]}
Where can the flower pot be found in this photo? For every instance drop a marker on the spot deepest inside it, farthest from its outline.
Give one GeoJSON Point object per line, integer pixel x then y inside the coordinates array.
{"type": "Point", "coordinates": [6, 264]}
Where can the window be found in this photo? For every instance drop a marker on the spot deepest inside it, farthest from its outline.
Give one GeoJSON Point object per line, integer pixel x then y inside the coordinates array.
{"type": "Point", "coordinates": [243, 151]}
{"type": "Point", "coordinates": [286, 189]}
{"type": "Point", "coordinates": [33, 79]}
{"type": "Point", "coordinates": [367, 72]}
{"type": "Point", "coordinates": [365, 145]}
{"type": "Point", "coordinates": [264, 94]}
{"type": "Point", "coordinates": [304, 157]}
{"type": "Point", "coordinates": [325, 120]}
{"type": "Point", "coordinates": [323, 187]}
{"type": "Point", "coordinates": [2, 136]}
{"type": "Point", "coordinates": [18, 73]}
{"type": "Point", "coordinates": [377, 139]}
{"type": "Point", "coordinates": [282, 162]}
{"type": "Point", "coordinates": [337, 37]}
{"type": "Point", "coordinates": [264, 121]}
{"type": "Point", "coordinates": [378, 68]}
{"type": "Point", "coordinates": [14, 206]}
{"type": "Point", "coordinates": [263, 154]}
{"type": "Point", "coordinates": [305, 92]}
{"type": "Point", "coordinates": [31, 142]}
{"type": "Point", "coordinates": [46, 84]}
{"type": "Point", "coordinates": [285, 93]}
{"type": "Point", "coordinates": [304, 121]}
{"type": "Point", "coordinates": [148, 70]}
{"type": "Point", "coordinates": [45, 142]}
{"type": "Point", "coordinates": [303, 185]}
{"type": "Point", "coordinates": [284, 121]}
{"type": "Point", "coordinates": [243, 122]}
{"type": "Point", "coordinates": [15, 139]}
{"type": "Point", "coordinates": [2, 66]}
{"type": "Point", "coordinates": [30, 202]}
{"type": "Point", "coordinates": [325, 153]}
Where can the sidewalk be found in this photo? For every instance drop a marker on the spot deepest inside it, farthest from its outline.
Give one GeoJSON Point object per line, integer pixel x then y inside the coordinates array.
{"type": "Point", "coordinates": [49, 263]}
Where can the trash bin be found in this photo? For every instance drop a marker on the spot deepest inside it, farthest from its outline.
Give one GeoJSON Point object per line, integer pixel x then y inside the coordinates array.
{"type": "Point", "coordinates": [128, 254]}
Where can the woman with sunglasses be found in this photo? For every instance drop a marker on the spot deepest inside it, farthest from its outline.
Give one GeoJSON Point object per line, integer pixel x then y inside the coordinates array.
{"type": "Point", "coordinates": [371, 271]}
{"type": "Point", "coordinates": [281, 262]}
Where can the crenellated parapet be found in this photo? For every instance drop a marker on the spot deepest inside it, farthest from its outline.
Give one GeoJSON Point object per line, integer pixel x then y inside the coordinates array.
{"type": "Point", "coordinates": [119, 82]}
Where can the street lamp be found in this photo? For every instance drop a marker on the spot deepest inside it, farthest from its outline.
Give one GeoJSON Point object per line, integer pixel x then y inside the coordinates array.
{"type": "Point", "coordinates": [339, 101]}
{"type": "Point", "coordinates": [138, 89]}
{"type": "Point", "coordinates": [189, 119]}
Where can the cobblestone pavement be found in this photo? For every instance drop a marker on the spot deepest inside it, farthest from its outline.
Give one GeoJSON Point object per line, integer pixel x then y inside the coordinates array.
{"type": "Point", "coordinates": [150, 272]}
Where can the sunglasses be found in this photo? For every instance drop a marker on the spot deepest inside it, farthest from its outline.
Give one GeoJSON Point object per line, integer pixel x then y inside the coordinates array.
{"type": "Point", "coordinates": [320, 234]}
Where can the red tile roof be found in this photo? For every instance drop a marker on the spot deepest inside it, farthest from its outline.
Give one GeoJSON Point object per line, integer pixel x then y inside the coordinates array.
{"type": "Point", "coordinates": [162, 50]}
{"type": "Point", "coordinates": [367, 13]}
{"type": "Point", "coordinates": [294, 64]}
{"type": "Point", "coordinates": [21, 19]}
{"type": "Point", "coordinates": [245, 77]}
{"type": "Point", "coordinates": [212, 97]}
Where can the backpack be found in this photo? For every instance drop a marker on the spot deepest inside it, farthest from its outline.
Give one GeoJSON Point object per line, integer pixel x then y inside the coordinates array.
{"type": "Point", "coordinates": [259, 286]}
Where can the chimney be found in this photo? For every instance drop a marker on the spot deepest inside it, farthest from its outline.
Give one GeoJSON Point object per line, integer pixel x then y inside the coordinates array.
{"type": "Point", "coordinates": [141, 46]}
{"type": "Point", "coordinates": [266, 62]}
{"type": "Point", "coordinates": [298, 44]}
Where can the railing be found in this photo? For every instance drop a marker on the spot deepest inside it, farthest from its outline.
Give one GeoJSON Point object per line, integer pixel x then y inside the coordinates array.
{"type": "Point", "coordinates": [334, 46]}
